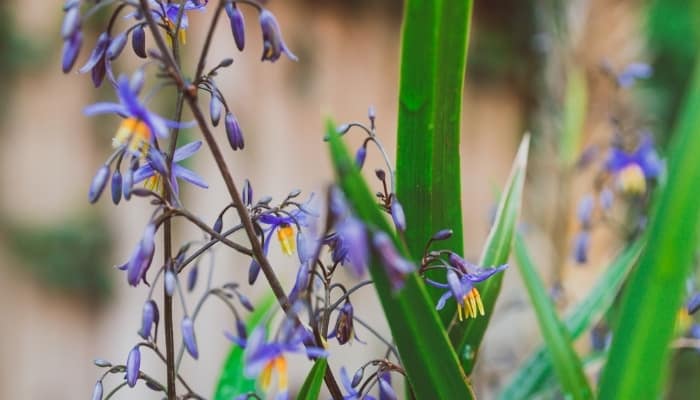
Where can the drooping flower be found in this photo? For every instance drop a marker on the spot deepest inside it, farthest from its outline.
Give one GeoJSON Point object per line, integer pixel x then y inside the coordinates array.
{"type": "Point", "coordinates": [237, 24]}
{"type": "Point", "coordinates": [98, 64]}
{"type": "Point", "coordinates": [350, 385]}
{"type": "Point", "coordinates": [273, 44]}
{"type": "Point", "coordinates": [460, 285]}
{"type": "Point", "coordinates": [168, 12]}
{"type": "Point", "coordinates": [149, 317]}
{"type": "Point", "coordinates": [141, 258]}
{"type": "Point", "coordinates": [189, 338]}
{"type": "Point", "coordinates": [154, 179]}
{"type": "Point", "coordinates": [394, 264]}
{"type": "Point", "coordinates": [133, 365]}
{"type": "Point", "coordinates": [632, 170]}
{"type": "Point", "coordinates": [71, 34]}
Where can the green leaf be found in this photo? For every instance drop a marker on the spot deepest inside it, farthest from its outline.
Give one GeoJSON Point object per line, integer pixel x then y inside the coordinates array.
{"type": "Point", "coordinates": [567, 364]}
{"type": "Point", "coordinates": [466, 336]}
{"type": "Point", "coordinates": [574, 116]}
{"type": "Point", "coordinates": [433, 58]}
{"type": "Point", "coordinates": [536, 370]}
{"type": "Point", "coordinates": [232, 382]}
{"type": "Point", "coordinates": [312, 385]}
{"type": "Point", "coordinates": [430, 362]}
{"type": "Point", "coordinates": [636, 366]}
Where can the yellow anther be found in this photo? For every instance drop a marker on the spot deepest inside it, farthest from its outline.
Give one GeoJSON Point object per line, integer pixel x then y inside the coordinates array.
{"type": "Point", "coordinates": [282, 379]}
{"type": "Point", "coordinates": [459, 312]}
{"type": "Point", "coordinates": [182, 34]}
{"type": "Point", "coordinates": [135, 134]}
{"type": "Point", "coordinates": [266, 375]}
{"type": "Point", "coordinates": [155, 184]}
{"type": "Point", "coordinates": [477, 297]}
{"type": "Point", "coordinates": [285, 234]}
{"type": "Point", "coordinates": [631, 180]}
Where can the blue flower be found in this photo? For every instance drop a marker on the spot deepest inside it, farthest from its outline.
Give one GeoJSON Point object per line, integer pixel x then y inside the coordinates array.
{"type": "Point", "coordinates": [273, 44]}
{"type": "Point", "coordinates": [632, 73]}
{"type": "Point", "coordinates": [350, 385]}
{"type": "Point", "coordinates": [168, 13]}
{"type": "Point", "coordinates": [632, 170]}
{"type": "Point", "coordinates": [154, 179]}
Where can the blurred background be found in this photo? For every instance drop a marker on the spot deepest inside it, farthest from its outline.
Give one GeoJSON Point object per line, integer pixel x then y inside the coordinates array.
{"type": "Point", "coordinates": [63, 303]}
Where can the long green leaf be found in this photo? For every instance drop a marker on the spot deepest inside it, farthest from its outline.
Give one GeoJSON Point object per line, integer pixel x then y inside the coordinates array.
{"type": "Point", "coordinates": [433, 58]}
{"type": "Point", "coordinates": [574, 116]}
{"type": "Point", "coordinates": [537, 369]}
{"type": "Point", "coordinates": [636, 366]}
{"type": "Point", "coordinates": [466, 336]}
{"type": "Point", "coordinates": [567, 364]}
{"type": "Point", "coordinates": [430, 362]}
{"type": "Point", "coordinates": [312, 385]}
{"type": "Point", "coordinates": [232, 382]}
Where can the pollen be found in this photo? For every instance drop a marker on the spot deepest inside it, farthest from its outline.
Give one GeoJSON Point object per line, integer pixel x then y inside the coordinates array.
{"type": "Point", "coordinates": [285, 234]}
{"type": "Point", "coordinates": [135, 134]}
{"type": "Point", "coordinates": [471, 305]}
{"type": "Point", "coordinates": [181, 35]}
{"type": "Point", "coordinates": [155, 184]}
{"type": "Point", "coordinates": [631, 180]}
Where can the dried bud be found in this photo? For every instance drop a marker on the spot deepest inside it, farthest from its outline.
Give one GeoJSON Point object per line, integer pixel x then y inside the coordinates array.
{"type": "Point", "coordinates": [138, 41]}
{"type": "Point", "coordinates": [360, 157]}
{"type": "Point", "coordinates": [192, 277]}
{"type": "Point", "coordinates": [189, 338]}
{"type": "Point", "coordinates": [237, 25]}
{"type": "Point", "coordinates": [381, 175]}
{"type": "Point", "coordinates": [97, 391]}
{"type": "Point", "coordinates": [98, 183]}
{"type": "Point", "coordinates": [247, 193]}
{"type": "Point", "coordinates": [273, 44]}
{"type": "Point", "coordinates": [116, 46]}
{"type": "Point", "coordinates": [443, 234]}
{"type": "Point", "coordinates": [215, 109]}
{"type": "Point", "coordinates": [149, 316]}
{"type": "Point", "coordinates": [133, 365]}
{"type": "Point", "coordinates": [233, 132]}
{"type": "Point", "coordinates": [344, 330]}
{"type": "Point", "coordinates": [398, 215]}
{"type": "Point", "coordinates": [116, 186]}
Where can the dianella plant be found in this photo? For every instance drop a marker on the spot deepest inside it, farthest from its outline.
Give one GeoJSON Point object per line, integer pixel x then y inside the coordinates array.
{"type": "Point", "coordinates": [396, 230]}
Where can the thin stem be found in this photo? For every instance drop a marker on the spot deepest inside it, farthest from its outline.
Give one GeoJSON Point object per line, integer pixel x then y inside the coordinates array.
{"type": "Point", "coordinates": [168, 317]}
{"type": "Point", "coordinates": [207, 41]}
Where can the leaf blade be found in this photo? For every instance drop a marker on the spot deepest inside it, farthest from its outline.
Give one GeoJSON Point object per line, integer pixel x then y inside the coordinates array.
{"type": "Point", "coordinates": [312, 384]}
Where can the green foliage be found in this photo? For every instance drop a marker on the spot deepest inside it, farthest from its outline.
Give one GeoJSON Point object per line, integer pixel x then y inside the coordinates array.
{"type": "Point", "coordinates": [636, 366]}
{"type": "Point", "coordinates": [466, 337]}
{"type": "Point", "coordinates": [430, 362]}
{"type": "Point", "coordinates": [567, 364]}
{"type": "Point", "coordinates": [433, 58]}
{"type": "Point", "coordinates": [312, 385]}
{"type": "Point", "coordinates": [232, 382]}
{"type": "Point", "coordinates": [534, 374]}
{"type": "Point", "coordinates": [71, 256]}
{"type": "Point", "coordinates": [574, 117]}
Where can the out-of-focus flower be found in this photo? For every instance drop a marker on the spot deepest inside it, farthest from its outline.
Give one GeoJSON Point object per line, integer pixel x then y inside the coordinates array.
{"type": "Point", "coordinates": [581, 245]}
{"type": "Point", "coordinates": [133, 365]}
{"type": "Point", "coordinates": [632, 170]}
{"type": "Point", "coordinates": [395, 266]}
{"type": "Point", "coordinates": [693, 304]}
{"type": "Point", "coordinates": [585, 211]}
{"type": "Point", "coordinates": [350, 245]}
{"type": "Point", "coordinates": [273, 44]}
{"type": "Point", "coordinates": [632, 73]}
{"type": "Point", "coordinates": [71, 34]}
{"type": "Point", "coordinates": [189, 338]}
{"type": "Point", "coordinates": [98, 62]}
{"type": "Point", "coordinates": [386, 391]}
{"type": "Point", "coordinates": [154, 179]}
{"type": "Point", "coordinates": [397, 214]}
{"type": "Point", "coordinates": [149, 317]}
{"type": "Point", "coordinates": [168, 13]}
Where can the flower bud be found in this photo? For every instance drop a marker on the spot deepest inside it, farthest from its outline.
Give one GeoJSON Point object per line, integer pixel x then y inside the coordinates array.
{"type": "Point", "coordinates": [97, 391]}
{"type": "Point", "coordinates": [442, 234]}
{"type": "Point", "coordinates": [192, 277]}
{"type": "Point", "coordinates": [133, 365]}
{"type": "Point", "coordinates": [360, 157]}
{"type": "Point", "coordinates": [98, 183]}
{"type": "Point", "coordinates": [71, 49]}
{"type": "Point", "coordinates": [116, 186]}
{"type": "Point", "coordinates": [127, 183]}
{"type": "Point", "coordinates": [237, 25]}
{"type": "Point", "coordinates": [150, 315]}
{"type": "Point", "coordinates": [215, 109]}
{"type": "Point", "coordinates": [693, 304]}
{"type": "Point", "coordinates": [581, 244]}
{"type": "Point", "coordinates": [138, 41]}
{"type": "Point", "coordinates": [115, 48]}
{"type": "Point", "coordinates": [101, 363]}
{"type": "Point", "coordinates": [189, 338]}
{"type": "Point", "coordinates": [233, 132]}
{"type": "Point", "coordinates": [247, 193]}
{"type": "Point", "coordinates": [170, 282]}
{"type": "Point", "coordinates": [241, 329]}
{"type": "Point", "coordinates": [344, 330]}
{"type": "Point", "coordinates": [97, 54]}
{"type": "Point", "coordinates": [71, 22]}
{"type": "Point", "coordinates": [585, 211]}
{"type": "Point", "coordinates": [253, 271]}
{"type": "Point", "coordinates": [357, 378]}
{"type": "Point", "coordinates": [273, 44]}
{"type": "Point", "coordinates": [398, 215]}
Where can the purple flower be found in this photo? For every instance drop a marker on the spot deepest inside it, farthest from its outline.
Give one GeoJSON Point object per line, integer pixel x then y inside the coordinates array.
{"type": "Point", "coordinates": [169, 12]}
{"type": "Point", "coordinates": [153, 178]}
{"type": "Point", "coordinates": [460, 285]}
{"type": "Point", "coordinates": [360, 156]}
{"type": "Point", "coordinates": [72, 36]}
{"type": "Point", "coordinates": [386, 391]}
{"type": "Point", "coordinates": [395, 265]}
{"type": "Point", "coordinates": [133, 365]}
{"type": "Point", "coordinates": [350, 386]}
{"type": "Point", "coordinates": [138, 41]}
{"type": "Point", "coordinates": [585, 210]}
{"type": "Point", "coordinates": [273, 44]}
{"type": "Point", "coordinates": [150, 316]}
{"type": "Point", "coordinates": [581, 245]}
{"type": "Point", "coordinates": [632, 73]}
{"type": "Point", "coordinates": [116, 187]}
{"type": "Point", "coordinates": [98, 183]}
{"type": "Point", "coordinates": [237, 24]}
{"type": "Point", "coordinates": [233, 132]}
{"type": "Point", "coordinates": [632, 170]}
{"type": "Point", "coordinates": [350, 245]}
{"type": "Point", "coordinates": [97, 391]}
{"type": "Point", "coordinates": [141, 258]}
{"type": "Point", "coordinates": [189, 338]}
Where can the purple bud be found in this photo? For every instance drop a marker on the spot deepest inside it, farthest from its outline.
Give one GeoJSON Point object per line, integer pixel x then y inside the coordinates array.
{"type": "Point", "coordinates": [138, 41]}
{"type": "Point", "coordinates": [241, 329]}
{"type": "Point", "coordinates": [97, 54]}
{"type": "Point", "coordinates": [71, 49]}
{"type": "Point", "coordinates": [342, 129]}
{"type": "Point", "coordinates": [127, 183]}
{"type": "Point", "coordinates": [150, 315]}
{"type": "Point", "coordinates": [218, 224]}
{"type": "Point", "coordinates": [357, 378]}
{"type": "Point", "coordinates": [192, 277]}
{"type": "Point", "coordinates": [97, 74]}
{"type": "Point", "coordinates": [360, 157]}
{"type": "Point", "coordinates": [233, 132]}
{"type": "Point", "coordinates": [98, 183]}
{"type": "Point", "coordinates": [443, 234]}
{"type": "Point", "coordinates": [395, 266]}
{"type": "Point", "coordinates": [116, 187]}
{"type": "Point", "coordinates": [102, 363]}
{"type": "Point", "coordinates": [188, 337]}
{"type": "Point", "coordinates": [581, 244]}
{"type": "Point", "coordinates": [71, 23]}
{"type": "Point", "coordinates": [585, 211]}
{"type": "Point", "coordinates": [215, 108]}
{"type": "Point", "coordinates": [253, 272]}
{"type": "Point", "coordinates": [237, 25]}
{"type": "Point", "coordinates": [247, 193]}
{"type": "Point", "coordinates": [97, 391]}
{"type": "Point", "coordinates": [398, 215]}
{"type": "Point", "coordinates": [133, 365]}
{"type": "Point", "coordinates": [693, 304]}
{"type": "Point", "coordinates": [245, 302]}
{"type": "Point", "coordinates": [273, 44]}
{"type": "Point", "coordinates": [115, 48]}
{"type": "Point", "coordinates": [386, 392]}
{"type": "Point", "coordinates": [170, 282]}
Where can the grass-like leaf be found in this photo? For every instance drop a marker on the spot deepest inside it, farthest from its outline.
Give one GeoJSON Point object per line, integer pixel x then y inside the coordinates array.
{"type": "Point", "coordinates": [537, 369]}
{"type": "Point", "coordinates": [567, 364]}
{"type": "Point", "coordinates": [466, 336]}
{"type": "Point", "coordinates": [232, 382]}
{"type": "Point", "coordinates": [639, 352]}
{"type": "Point", "coordinates": [433, 58]}
{"type": "Point", "coordinates": [312, 385]}
{"type": "Point", "coordinates": [430, 362]}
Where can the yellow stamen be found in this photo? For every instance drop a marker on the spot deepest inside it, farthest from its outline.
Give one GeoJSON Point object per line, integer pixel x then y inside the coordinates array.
{"type": "Point", "coordinates": [266, 375]}
{"type": "Point", "coordinates": [155, 184]}
{"type": "Point", "coordinates": [282, 378]}
{"type": "Point", "coordinates": [459, 312]}
{"type": "Point", "coordinates": [285, 234]}
{"type": "Point", "coordinates": [631, 180]}
{"type": "Point", "coordinates": [135, 134]}
{"type": "Point", "coordinates": [181, 35]}
{"type": "Point", "coordinates": [479, 303]}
